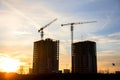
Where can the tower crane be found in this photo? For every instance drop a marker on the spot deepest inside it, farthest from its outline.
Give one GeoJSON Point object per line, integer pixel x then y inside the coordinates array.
{"type": "Point", "coordinates": [71, 25]}
{"type": "Point", "coordinates": [41, 29]}
{"type": "Point", "coordinates": [75, 24]}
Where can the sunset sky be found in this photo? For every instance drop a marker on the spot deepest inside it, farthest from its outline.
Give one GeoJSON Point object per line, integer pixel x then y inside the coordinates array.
{"type": "Point", "coordinates": [21, 19]}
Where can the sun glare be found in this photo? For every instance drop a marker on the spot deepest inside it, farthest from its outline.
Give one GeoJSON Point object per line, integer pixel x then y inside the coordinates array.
{"type": "Point", "coordinates": [9, 64]}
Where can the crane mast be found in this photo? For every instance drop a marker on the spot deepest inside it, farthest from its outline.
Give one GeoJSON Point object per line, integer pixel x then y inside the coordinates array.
{"type": "Point", "coordinates": [42, 28]}
{"type": "Point", "coordinates": [71, 25]}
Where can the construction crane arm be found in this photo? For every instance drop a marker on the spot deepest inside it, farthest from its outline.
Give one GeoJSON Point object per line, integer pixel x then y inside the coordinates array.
{"type": "Point", "coordinates": [86, 22]}
{"type": "Point", "coordinates": [46, 25]}
{"type": "Point", "coordinates": [41, 29]}
{"type": "Point", "coordinates": [67, 24]}
{"type": "Point", "coordinates": [78, 23]}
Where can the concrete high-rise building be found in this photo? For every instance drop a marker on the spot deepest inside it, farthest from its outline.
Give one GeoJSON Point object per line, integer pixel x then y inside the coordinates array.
{"type": "Point", "coordinates": [84, 57]}
{"type": "Point", "coordinates": [46, 56]}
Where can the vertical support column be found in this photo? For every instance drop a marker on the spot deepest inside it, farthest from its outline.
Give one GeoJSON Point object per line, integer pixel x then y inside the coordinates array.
{"type": "Point", "coordinates": [57, 55]}
{"type": "Point", "coordinates": [72, 56]}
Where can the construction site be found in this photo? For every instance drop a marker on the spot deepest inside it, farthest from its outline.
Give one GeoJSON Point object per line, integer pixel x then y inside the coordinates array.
{"type": "Point", "coordinates": [46, 60]}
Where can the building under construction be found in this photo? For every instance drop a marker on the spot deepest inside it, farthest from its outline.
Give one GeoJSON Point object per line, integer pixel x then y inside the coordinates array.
{"type": "Point", "coordinates": [84, 57]}
{"type": "Point", "coordinates": [46, 56]}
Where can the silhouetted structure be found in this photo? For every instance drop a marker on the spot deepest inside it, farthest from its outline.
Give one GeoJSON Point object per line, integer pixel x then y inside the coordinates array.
{"type": "Point", "coordinates": [45, 56]}
{"type": "Point", "coordinates": [66, 70]}
{"type": "Point", "coordinates": [84, 57]}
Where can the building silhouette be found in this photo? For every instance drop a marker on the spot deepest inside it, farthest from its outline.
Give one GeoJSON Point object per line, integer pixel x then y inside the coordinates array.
{"type": "Point", "coordinates": [84, 57]}
{"type": "Point", "coordinates": [46, 56]}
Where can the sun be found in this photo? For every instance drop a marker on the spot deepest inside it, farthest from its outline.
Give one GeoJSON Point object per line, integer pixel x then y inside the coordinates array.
{"type": "Point", "coordinates": [9, 64]}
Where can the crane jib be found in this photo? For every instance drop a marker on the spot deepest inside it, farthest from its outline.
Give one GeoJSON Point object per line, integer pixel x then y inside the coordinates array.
{"type": "Point", "coordinates": [41, 29]}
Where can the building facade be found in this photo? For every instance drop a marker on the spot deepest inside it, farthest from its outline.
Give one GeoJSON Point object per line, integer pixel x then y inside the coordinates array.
{"type": "Point", "coordinates": [84, 57]}
{"type": "Point", "coordinates": [46, 56]}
